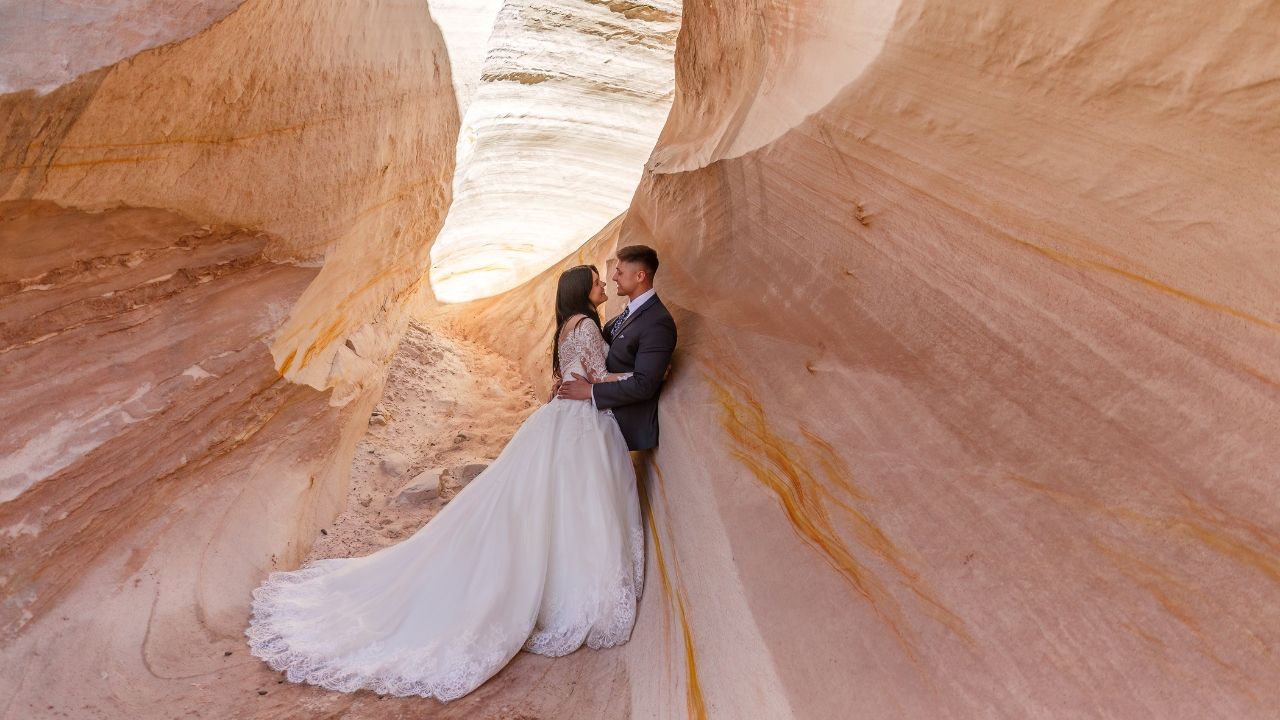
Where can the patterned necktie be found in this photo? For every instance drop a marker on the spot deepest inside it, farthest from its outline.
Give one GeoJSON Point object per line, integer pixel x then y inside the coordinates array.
{"type": "Point", "coordinates": [617, 323]}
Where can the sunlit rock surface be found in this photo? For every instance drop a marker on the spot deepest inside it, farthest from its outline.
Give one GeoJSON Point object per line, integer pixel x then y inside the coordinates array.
{"type": "Point", "coordinates": [465, 25]}
{"type": "Point", "coordinates": [974, 408]}
{"type": "Point", "coordinates": [573, 95]}
{"type": "Point", "coordinates": [979, 367]}
{"type": "Point", "coordinates": [973, 413]}
{"type": "Point", "coordinates": [45, 43]}
{"type": "Point", "coordinates": [205, 252]}
{"type": "Point", "coordinates": [337, 154]}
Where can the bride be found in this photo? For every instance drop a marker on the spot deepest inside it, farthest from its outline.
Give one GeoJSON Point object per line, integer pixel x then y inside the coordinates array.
{"type": "Point", "coordinates": [542, 551]}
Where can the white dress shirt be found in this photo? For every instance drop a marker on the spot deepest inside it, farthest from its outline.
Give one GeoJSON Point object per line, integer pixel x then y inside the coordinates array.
{"type": "Point", "coordinates": [632, 306]}
{"type": "Point", "coordinates": [641, 299]}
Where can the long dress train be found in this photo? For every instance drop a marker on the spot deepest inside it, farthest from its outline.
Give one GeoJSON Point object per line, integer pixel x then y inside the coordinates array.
{"type": "Point", "coordinates": [544, 551]}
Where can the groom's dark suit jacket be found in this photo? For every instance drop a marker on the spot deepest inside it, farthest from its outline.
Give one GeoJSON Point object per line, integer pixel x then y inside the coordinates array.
{"type": "Point", "coordinates": [641, 345]}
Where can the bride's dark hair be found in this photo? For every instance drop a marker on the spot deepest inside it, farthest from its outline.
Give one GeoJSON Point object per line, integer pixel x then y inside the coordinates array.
{"type": "Point", "coordinates": [573, 297]}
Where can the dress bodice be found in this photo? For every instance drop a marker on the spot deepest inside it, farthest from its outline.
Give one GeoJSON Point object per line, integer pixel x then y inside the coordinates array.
{"type": "Point", "coordinates": [583, 350]}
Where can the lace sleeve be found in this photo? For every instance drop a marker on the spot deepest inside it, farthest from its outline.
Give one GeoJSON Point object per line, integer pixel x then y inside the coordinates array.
{"type": "Point", "coordinates": [585, 344]}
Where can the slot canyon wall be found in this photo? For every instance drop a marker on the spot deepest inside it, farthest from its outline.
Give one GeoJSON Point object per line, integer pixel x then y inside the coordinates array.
{"type": "Point", "coordinates": [207, 248]}
{"type": "Point", "coordinates": [46, 43]}
{"type": "Point", "coordinates": [572, 95]}
{"type": "Point", "coordinates": [975, 403]}
{"type": "Point", "coordinates": [973, 412]}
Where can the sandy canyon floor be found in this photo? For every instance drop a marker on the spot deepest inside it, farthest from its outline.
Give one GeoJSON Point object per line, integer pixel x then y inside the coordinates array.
{"type": "Point", "coordinates": [449, 402]}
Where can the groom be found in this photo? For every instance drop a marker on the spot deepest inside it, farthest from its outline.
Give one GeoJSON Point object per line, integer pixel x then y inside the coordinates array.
{"type": "Point", "coordinates": [641, 340]}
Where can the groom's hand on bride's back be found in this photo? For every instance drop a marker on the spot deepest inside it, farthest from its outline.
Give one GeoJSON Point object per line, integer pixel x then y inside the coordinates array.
{"type": "Point", "coordinates": [579, 388]}
{"type": "Point", "coordinates": [555, 389]}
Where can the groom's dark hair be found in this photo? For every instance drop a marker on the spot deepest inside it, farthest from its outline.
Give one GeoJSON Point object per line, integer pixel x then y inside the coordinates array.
{"type": "Point", "coordinates": [641, 255]}
{"type": "Point", "coordinates": [573, 297]}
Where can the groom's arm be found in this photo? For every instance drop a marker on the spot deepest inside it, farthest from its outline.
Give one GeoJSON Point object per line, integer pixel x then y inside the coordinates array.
{"type": "Point", "coordinates": [652, 359]}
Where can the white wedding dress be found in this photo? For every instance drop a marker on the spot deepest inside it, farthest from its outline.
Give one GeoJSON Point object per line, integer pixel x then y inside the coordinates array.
{"type": "Point", "coordinates": [543, 551]}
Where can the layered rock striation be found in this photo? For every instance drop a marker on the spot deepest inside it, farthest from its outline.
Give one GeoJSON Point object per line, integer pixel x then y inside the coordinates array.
{"type": "Point", "coordinates": [46, 43]}
{"type": "Point", "coordinates": [972, 413]}
{"type": "Point", "coordinates": [207, 252]}
{"type": "Point", "coordinates": [978, 362]}
{"type": "Point", "coordinates": [466, 26]}
{"type": "Point", "coordinates": [972, 407]}
{"type": "Point", "coordinates": [571, 99]}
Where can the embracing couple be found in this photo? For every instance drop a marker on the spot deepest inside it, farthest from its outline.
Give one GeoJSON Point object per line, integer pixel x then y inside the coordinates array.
{"type": "Point", "coordinates": [543, 551]}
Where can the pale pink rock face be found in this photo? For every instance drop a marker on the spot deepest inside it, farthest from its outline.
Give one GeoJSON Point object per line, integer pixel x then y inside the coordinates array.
{"type": "Point", "coordinates": [974, 408]}
{"type": "Point", "coordinates": [206, 250]}
{"type": "Point", "coordinates": [46, 43]}
{"type": "Point", "coordinates": [973, 413]}
{"type": "Point", "coordinates": [987, 347]}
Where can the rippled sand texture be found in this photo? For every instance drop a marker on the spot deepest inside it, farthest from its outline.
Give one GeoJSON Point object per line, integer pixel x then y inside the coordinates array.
{"type": "Point", "coordinates": [572, 96]}
{"type": "Point", "coordinates": [206, 251]}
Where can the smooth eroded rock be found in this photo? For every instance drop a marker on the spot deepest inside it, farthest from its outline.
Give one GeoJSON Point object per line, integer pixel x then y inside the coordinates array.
{"type": "Point", "coordinates": [571, 98]}
{"type": "Point", "coordinates": [421, 489]}
{"type": "Point", "coordinates": [974, 404]}
{"type": "Point", "coordinates": [394, 464]}
{"type": "Point", "coordinates": [468, 471]}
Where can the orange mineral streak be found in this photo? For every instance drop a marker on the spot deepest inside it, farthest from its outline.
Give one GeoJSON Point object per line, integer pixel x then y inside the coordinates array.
{"type": "Point", "coordinates": [80, 163]}
{"type": "Point", "coordinates": [1212, 527]}
{"type": "Point", "coordinates": [674, 595]}
{"type": "Point", "coordinates": [1083, 263]}
{"type": "Point", "coordinates": [1173, 594]}
{"type": "Point", "coordinates": [874, 539]}
{"type": "Point", "coordinates": [783, 468]}
{"type": "Point", "coordinates": [1216, 626]}
{"type": "Point", "coordinates": [345, 315]}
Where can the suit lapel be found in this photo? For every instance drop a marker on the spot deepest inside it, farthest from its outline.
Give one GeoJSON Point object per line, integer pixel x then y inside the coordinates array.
{"type": "Point", "coordinates": [648, 304]}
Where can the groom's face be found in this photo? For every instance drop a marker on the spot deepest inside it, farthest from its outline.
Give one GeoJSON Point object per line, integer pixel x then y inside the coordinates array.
{"type": "Point", "coordinates": [627, 275]}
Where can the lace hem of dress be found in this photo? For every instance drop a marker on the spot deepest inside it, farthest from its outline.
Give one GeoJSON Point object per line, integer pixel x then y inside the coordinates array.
{"type": "Point", "coordinates": [597, 629]}
{"type": "Point", "coordinates": [637, 558]}
{"type": "Point", "coordinates": [467, 663]}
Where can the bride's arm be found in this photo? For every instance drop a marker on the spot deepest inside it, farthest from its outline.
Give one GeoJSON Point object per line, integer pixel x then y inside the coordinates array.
{"type": "Point", "coordinates": [585, 338]}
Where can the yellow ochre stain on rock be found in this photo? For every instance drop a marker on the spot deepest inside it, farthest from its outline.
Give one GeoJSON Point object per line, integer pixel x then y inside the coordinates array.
{"type": "Point", "coordinates": [674, 594]}
{"type": "Point", "coordinates": [1202, 523]}
{"type": "Point", "coordinates": [784, 469]}
{"type": "Point", "coordinates": [342, 319]}
{"type": "Point", "coordinates": [1178, 596]}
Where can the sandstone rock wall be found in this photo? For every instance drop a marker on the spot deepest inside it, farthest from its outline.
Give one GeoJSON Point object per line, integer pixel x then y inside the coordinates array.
{"type": "Point", "coordinates": [466, 26]}
{"type": "Point", "coordinates": [572, 95]}
{"type": "Point", "coordinates": [207, 249]}
{"type": "Point", "coordinates": [988, 343]}
{"type": "Point", "coordinates": [973, 413]}
{"type": "Point", "coordinates": [327, 133]}
{"type": "Point", "coordinates": [974, 404]}
{"type": "Point", "coordinates": [46, 43]}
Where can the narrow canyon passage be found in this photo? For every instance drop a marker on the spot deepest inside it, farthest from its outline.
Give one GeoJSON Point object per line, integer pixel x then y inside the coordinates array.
{"type": "Point", "coordinates": [973, 411]}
